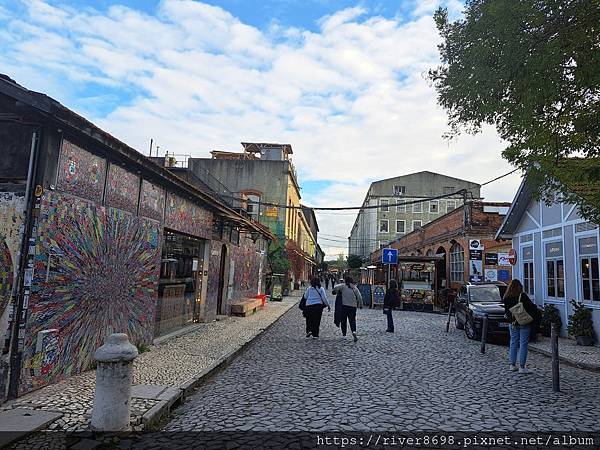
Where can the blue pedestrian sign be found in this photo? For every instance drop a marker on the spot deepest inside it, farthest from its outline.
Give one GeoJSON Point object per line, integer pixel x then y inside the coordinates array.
{"type": "Point", "coordinates": [389, 256]}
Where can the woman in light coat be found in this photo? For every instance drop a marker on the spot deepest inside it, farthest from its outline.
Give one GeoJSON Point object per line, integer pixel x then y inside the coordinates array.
{"type": "Point", "coordinates": [351, 300]}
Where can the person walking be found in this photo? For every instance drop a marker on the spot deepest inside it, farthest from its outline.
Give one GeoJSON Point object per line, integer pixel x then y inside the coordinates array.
{"type": "Point", "coordinates": [316, 301]}
{"type": "Point", "coordinates": [520, 310]}
{"type": "Point", "coordinates": [390, 301]}
{"type": "Point", "coordinates": [351, 299]}
{"type": "Point", "coordinates": [327, 282]}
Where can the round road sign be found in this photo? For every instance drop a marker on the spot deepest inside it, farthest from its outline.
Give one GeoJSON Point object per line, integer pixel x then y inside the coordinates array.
{"type": "Point", "coordinates": [512, 256]}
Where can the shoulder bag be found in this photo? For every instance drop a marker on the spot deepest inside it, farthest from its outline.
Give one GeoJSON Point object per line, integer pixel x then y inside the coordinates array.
{"type": "Point", "coordinates": [520, 315]}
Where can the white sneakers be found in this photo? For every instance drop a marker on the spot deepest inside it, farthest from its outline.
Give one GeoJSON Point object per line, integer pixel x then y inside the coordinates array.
{"type": "Point", "coordinates": [512, 368]}
{"type": "Point", "coordinates": [524, 370]}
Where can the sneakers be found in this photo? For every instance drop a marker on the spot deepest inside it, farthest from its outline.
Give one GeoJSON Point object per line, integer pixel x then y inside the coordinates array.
{"type": "Point", "coordinates": [524, 370]}
{"type": "Point", "coordinates": [309, 334]}
{"type": "Point", "coordinates": [389, 331]}
{"type": "Point", "coordinates": [512, 368]}
{"type": "Point", "coordinates": [355, 337]}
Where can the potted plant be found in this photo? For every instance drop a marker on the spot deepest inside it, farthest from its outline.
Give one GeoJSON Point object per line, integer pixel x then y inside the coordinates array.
{"type": "Point", "coordinates": [550, 315]}
{"type": "Point", "coordinates": [581, 325]}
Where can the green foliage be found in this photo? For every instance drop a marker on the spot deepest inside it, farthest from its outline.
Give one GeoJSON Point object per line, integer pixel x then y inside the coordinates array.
{"type": "Point", "coordinates": [550, 315]}
{"type": "Point", "coordinates": [278, 259]}
{"type": "Point", "coordinates": [354, 261]}
{"type": "Point", "coordinates": [580, 322]}
{"type": "Point", "coordinates": [142, 347]}
{"type": "Point", "coordinates": [532, 69]}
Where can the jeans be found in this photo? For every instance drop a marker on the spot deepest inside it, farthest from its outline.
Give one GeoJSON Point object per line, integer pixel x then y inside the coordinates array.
{"type": "Point", "coordinates": [313, 319]}
{"type": "Point", "coordinates": [348, 312]}
{"type": "Point", "coordinates": [519, 339]}
{"type": "Point", "coordinates": [390, 318]}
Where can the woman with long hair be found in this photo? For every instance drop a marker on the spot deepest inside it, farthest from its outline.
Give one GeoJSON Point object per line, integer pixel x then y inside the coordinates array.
{"type": "Point", "coordinates": [351, 299]}
{"type": "Point", "coordinates": [316, 301]}
{"type": "Point", "coordinates": [390, 301]}
{"type": "Point", "coordinates": [519, 333]}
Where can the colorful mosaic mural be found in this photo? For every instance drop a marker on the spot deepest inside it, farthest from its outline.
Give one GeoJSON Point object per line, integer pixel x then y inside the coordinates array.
{"type": "Point", "coordinates": [187, 217]}
{"type": "Point", "coordinates": [247, 266]}
{"type": "Point", "coordinates": [212, 290]}
{"type": "Point", "coordinates": [122, 189]}
{"type": "Point", "coordinates": [96, 273]}
{"type": "Point", "coordinates": [12, 216]}
{"type": "Point", "coordinates": [152, 201]}
{"type": "Point", "coordinates": [80, 172]}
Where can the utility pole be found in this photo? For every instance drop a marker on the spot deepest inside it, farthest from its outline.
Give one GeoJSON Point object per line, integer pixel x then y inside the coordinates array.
{"type": "Point", "coordinates": [151, 142]}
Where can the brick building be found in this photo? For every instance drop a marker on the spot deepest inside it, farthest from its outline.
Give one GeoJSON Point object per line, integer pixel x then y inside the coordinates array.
{"type": "Point", "coordinates": [453, 236]}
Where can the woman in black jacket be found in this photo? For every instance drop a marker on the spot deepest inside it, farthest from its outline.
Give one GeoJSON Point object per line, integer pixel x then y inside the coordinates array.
{"type": "Point", "coordinates": [391, 300]}
{"type": "Point", "coordinates": [519, 334]}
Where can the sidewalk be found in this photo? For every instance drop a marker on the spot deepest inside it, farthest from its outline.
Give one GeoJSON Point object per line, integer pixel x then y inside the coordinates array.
{"type": "Point", "coordinates": [570, 353]}
{"type": "Point", "coordinates": [163, 375]}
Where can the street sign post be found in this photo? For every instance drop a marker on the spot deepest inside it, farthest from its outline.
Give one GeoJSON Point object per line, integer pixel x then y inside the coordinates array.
{"type": "Point", "coordinates": [389, 256]}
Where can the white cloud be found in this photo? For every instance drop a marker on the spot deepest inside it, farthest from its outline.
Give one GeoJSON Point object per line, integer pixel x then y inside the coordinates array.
{"type": "Point", "coordinates": [351, 98]}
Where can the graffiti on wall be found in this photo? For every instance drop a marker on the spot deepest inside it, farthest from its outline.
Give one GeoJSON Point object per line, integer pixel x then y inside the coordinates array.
{"type": "Point", "coordinates": [80, 172]}
{"type": "Point", "coordinates": [187, 217]}
{"type": "Point", "coordinates": [96, 272]}
{"type": "Point", "coordinates": [247, 264]}
{"type": "Point", "coordinates": [214, 268]}
{"type": "Point", "coordinates": [122, 189]}
{"type": "Point", "coordinates": [152, 201]}
{"type": "Point", "coordinates": [12, 217]}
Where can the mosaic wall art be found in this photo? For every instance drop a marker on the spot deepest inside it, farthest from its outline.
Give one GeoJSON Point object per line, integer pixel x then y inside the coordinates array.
{"type": "Point", "coordinates": [96, 273]}
{"type": "Point", "coordinates": [212, 290]}
{"type": "Point", "coordinates": [12, 217]}
{"type": "Point", "coordinates": [80, 172]}
{"type": "Point", "coordinates": [187, 217]}
{"type": "Point", "coordinates": [152, 202]}
{"type": "Point", "coordinates": [122, 189]}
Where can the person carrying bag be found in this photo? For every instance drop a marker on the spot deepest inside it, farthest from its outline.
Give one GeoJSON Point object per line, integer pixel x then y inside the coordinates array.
{"type": "Point", "coordinates": [315, 300]}
{"type": "Point", "coordinates": [520, 311]}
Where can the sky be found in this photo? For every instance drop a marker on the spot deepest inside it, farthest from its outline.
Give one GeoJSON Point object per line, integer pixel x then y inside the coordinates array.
{"type": "Point", "coordinates": [343, 82]}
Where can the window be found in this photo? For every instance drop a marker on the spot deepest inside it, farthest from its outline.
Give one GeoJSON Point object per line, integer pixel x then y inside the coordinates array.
{"type": "Point", "coordinates": [586, 226]}
{"type": "Point", "coordinates": [416, 224]}
{"type": "Point", "coordinates": [528, 274]}
{"type": "Point", "coordinates": [400, 207]}
{"type": "Point", "coordinates": [450, 205]}
{"type": "Point", "coordinates": [457, 263]}
{"type": "Point", "coordinates": [555, 270]}
{"type": "Point", "coordinates": [417, 207]}
{"type": "Point", "coordinates": [399, 190]}
{"type": "Point", "coordinates": [527, 238]}
{"type": "Point", "coordinates": [555, 232]}
{"type": "Point", "coordinates": [384, 202]}
{"type": "Point", "coordinates": [400, 226]}
{"type": "Point", "coordinates": [588, 262]}
{"type": "Point", "coordinates": [433, 206]}
{"type": "Point", "coordinates": [383, 226]}
{"type": "Point", "coordinates": [253, 206]}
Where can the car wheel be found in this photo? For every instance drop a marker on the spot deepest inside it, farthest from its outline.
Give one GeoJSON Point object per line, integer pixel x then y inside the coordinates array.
{"type": "Point", "coordinates": [457, 324]}
{"type": "Point", "coordinates": [470, 329]}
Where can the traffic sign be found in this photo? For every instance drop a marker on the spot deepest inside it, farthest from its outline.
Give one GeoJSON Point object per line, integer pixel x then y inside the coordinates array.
{"type": "Point", "coordinates": [389, 256]}
{"type": "Point", "coordinates": [512, 256]}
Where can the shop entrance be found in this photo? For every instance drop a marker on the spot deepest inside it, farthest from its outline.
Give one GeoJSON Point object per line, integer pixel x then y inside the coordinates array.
{"type": "Point", "coordinates": [222, 283]}
{"type": "Point", "coordinates": [180, 284]}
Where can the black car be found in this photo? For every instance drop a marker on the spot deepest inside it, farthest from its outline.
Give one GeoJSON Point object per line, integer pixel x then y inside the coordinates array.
{"type": "Point", "coordinates": [476, 300]}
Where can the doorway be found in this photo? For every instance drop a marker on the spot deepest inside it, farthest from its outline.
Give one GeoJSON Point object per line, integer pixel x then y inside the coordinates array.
{"type": "Point", "coordinates": [222, 275]}
{"type": "Point", "coordinates": [442, 274]}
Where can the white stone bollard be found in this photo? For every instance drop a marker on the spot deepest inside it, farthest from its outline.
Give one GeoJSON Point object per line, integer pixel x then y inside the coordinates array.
{"type": "Point", "coordinates": [114, 373]}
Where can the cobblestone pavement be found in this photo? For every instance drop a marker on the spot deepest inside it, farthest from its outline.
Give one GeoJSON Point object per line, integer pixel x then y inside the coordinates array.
{"type": "Point", "coordinates": [170, 363]}
{"type": "Point", "coordinates": [419, 378]}
{"type": "Point", "coordinates": [569, 351]}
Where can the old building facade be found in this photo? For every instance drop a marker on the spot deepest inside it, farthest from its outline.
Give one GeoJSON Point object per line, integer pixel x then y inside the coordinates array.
{"type": "Point", "coordinates": [265, 176]}
{"type": "Point", "coordinates": [395, 207]}
{"type": "Point", "coordinates": [452, 236]}
{"type": "Point", "coordinates": [95, 238]}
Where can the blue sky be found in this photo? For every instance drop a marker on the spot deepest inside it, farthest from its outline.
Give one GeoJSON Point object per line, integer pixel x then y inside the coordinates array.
{"type": "Point", "coordinates": [342, 82]}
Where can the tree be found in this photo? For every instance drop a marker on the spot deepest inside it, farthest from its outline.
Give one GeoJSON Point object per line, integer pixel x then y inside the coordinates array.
{"type": "Point", "coordinates": [278, 258]}
{"type": "Point", "coordinates": [354, 261]}
{"type": "Point", "coordinates": [531, 68]}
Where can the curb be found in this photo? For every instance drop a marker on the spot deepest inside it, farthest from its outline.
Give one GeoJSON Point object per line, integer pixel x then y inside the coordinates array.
{"type": "Point", "coordinates": [567, 361]}
{"type": "Point", "coordinates": [159, 411]}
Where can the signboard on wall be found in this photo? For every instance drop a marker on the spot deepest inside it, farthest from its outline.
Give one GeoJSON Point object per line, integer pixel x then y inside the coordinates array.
{"type": "Point", "coordinates": [503, 275]}
{"type": "Point", "coordinates": [491, 275]}
{"type": "Point", "coordinates": [271, 211]}
{"type": "Point", "coordinates": [491, 259]}
{"type": "Point", "coordinates": [503, 259]}
{"type": "Point", "coordinates": [475, 271]}
{"type": "Point", "coordinates": [475, 244]}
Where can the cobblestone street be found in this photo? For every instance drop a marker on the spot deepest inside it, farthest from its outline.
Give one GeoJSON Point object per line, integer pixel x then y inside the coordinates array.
{"type": "Point", "coordinates": [419, 378]}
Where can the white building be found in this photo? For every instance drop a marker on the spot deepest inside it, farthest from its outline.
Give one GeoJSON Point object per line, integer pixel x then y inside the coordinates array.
{"type": "Point", "coordinates": [390, 220]}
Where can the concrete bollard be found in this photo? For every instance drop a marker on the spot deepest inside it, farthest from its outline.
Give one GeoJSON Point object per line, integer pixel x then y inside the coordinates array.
{"type": "Point", "coordinates": [114, 373]}
{"type": "Point", "coordinates": [555, 359]}
{"type": "Point", "coordinates": [484, 331]}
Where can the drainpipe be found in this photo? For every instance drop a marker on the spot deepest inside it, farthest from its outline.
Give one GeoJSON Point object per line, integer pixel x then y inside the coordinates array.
{"type": "Point", "coordinates": [17, 291]}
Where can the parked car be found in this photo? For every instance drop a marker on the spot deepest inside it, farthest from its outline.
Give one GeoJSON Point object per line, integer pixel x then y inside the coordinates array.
{"type": "Point", "coordinates": [476, 300]}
